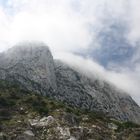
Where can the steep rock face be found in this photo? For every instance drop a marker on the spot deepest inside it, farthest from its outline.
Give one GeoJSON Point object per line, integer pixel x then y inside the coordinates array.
{"type": "Point", "coordinates": [31, 65]}
{"type": "Point", "coordinates": [71, 88]}
{"type": "Point", "coordinates": [97, 95]}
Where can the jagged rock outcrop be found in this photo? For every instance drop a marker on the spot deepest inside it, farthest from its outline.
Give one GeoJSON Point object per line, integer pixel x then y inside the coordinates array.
{"type": "Point", "coordinates": [31, 65]}
{"type": "Point", "coordinates": [95, 95]}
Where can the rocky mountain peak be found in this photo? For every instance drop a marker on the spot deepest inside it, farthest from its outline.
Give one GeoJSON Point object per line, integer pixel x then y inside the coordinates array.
{"type": "Point", "coordinates": [32, 61]}
{"type": "Point", "coordinates": [27, 50]}
{"type": "Point", "coordinates": [32, 67]}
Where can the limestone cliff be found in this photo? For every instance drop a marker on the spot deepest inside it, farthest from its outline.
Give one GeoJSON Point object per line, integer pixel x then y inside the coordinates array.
{"type": "Point", "coordinates": [31, 65]}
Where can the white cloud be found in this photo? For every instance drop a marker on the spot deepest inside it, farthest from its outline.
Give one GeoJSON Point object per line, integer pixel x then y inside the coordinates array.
{"type": "Point", "coordinates": [60, 31]}
{"type": "Point", "coordinates": [63, 24]}
{"type": "Point", "coordinates": [53, 22]}
{"type": "Point", "coordinates": [134, 21]}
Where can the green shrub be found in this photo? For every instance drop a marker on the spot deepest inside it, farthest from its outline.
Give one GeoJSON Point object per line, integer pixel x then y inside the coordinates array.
{"type": "Point", "coordinates": [3, 102]}
{"type": "Point", "coordinates": [42, 110]}
{"type": "Point", "coordinates": [37, 103]}
{"type": "Point", "coordinates": [126, 125]}
{"type": "Point", "coordinates": [5, 114]}
{"type": "Point", "coordinates": [69, 110]}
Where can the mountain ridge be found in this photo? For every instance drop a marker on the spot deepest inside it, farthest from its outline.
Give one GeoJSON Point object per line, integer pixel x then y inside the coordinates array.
{"type": "Point", "coordinates": [25, 115]}
{"type": "Point", "coordinates": [32, 66]}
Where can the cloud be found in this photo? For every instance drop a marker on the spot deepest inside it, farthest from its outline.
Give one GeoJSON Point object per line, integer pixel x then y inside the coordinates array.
{"type": "Point", "coordinates": [53, 22]}
{"type": "Point", "coordinates": [4, 29]}
{"type": "Point", "coordinates": [134, 21]}
{"type": "Point", "coordinates": [63, 24]}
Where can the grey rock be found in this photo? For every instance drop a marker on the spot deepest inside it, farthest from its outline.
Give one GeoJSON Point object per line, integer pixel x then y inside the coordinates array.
{"type": "Point", "coordinates": [95, 95]}
{"type": "Point", "coordinates": [29, 133]}
{"type": "Point", "coordinates": [3, 136]}
{"type": "Point", "coordinates": [63, 133]}
{"type": "Point", "coordinates": [70, 118]}
{"type": "Point", "coordinates": [31, 66]}
{"type": "Point", "coordinates": [43, 122]}
{"type": "Point", "coordinates": [112, 126]}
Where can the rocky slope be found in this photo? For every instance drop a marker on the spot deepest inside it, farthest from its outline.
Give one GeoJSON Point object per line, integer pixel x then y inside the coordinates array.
{"type": "Point", "coordinates": [94, 95]}
{"type": "Point", "coordinates": [26, 115]}
{"type": "Point", "coordinates": [32, 67]}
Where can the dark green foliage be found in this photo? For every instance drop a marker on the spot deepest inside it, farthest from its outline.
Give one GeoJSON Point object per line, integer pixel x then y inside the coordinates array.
{"type": "Point", "coordinates": [126, 125]}
{"type": "Point", "coordinates": [3, 102]}
{"type": "Point", "coordinates": [6, 101]}
{"type": "Point", "coordinates": [42, 110]}
{"type": "Point", "coordinates": [69, 110]}
{"type": "Point", "coordinates": [5, 114]}
{"type": "Point", "coordinates": [97, 115]}
{"type": "Point", "coordinates": [37, 103]}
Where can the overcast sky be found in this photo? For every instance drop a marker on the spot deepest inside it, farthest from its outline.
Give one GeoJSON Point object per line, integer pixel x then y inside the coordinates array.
{"type": "Point", "coordinates": [71, 27]}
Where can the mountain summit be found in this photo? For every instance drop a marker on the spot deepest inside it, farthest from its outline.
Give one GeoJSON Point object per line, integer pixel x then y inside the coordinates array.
{"type": "Point", "coordinates": [32, 67]}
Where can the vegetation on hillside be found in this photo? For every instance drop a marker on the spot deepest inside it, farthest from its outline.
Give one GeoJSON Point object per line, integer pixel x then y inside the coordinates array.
{"type": "Point", "coordinates": [17, 106]}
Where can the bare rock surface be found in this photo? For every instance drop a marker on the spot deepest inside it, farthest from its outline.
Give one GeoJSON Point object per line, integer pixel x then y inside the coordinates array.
{"type": "Point", "coordinates": [32, 66]}
{"type": "Point", "coordinates": [94, 95]}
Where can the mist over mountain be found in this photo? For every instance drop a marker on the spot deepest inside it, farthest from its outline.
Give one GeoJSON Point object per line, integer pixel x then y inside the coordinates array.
{"type": "Point", "coordinates": [33, 68]}
{"type": "Point", "coordinates": [91, 69]}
